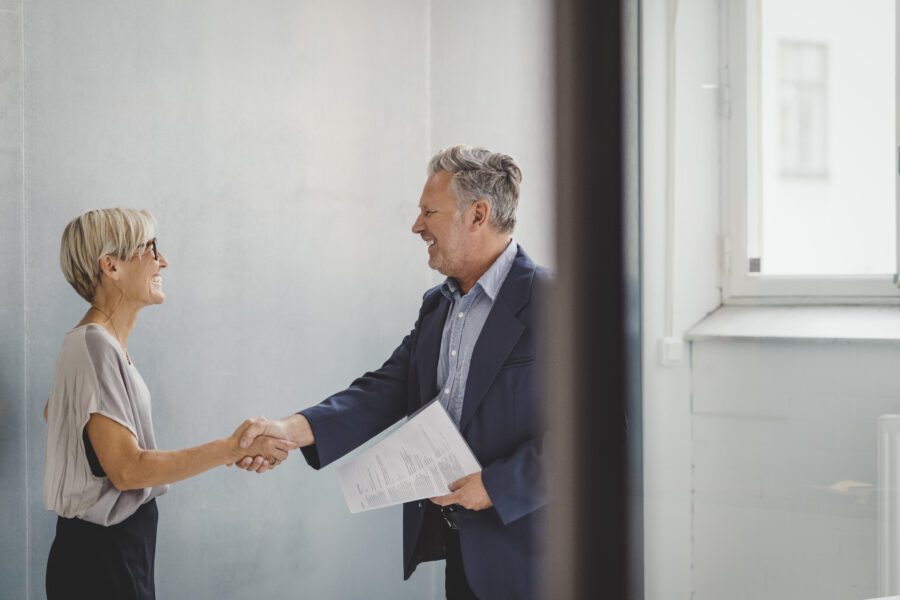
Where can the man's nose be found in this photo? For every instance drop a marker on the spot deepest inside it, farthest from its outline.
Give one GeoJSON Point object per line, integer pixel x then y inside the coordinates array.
{"type": "Point", "coordinates": [417, 226]}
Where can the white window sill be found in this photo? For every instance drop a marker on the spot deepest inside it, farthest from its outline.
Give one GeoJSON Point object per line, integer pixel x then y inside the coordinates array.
{"type": "Point", "coordinates": [781, 323]}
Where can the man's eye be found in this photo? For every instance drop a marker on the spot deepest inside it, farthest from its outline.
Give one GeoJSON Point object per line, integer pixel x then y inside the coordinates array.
{"type": "Point", "coordinates": [428, 213]}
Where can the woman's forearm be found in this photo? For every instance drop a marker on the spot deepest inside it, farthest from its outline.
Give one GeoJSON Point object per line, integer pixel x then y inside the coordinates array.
{"type": "Point", "coordinates": [130, 467]}
{"type": "Point", "coordinates": [150, 468]}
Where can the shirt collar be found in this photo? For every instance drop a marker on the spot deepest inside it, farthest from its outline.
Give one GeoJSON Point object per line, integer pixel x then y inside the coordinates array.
{"type": "Point", "coordinates": [493, 278]}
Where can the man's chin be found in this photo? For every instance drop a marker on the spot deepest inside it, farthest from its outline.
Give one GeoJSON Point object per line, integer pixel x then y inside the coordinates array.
{"type": "Point", "coordinates": [439, 268]}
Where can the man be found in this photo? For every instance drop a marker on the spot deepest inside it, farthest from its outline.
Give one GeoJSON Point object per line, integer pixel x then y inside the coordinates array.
{"type": "Point", "coordinates": [474, 348]}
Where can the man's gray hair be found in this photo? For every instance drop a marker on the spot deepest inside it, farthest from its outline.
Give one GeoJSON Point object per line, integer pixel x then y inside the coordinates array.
{"type": "Point", "coordinates": [479, 173]}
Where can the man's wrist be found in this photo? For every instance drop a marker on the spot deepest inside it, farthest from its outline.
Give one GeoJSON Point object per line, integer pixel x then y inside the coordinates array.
{"type": "Point", "coordinates": [299, 430]}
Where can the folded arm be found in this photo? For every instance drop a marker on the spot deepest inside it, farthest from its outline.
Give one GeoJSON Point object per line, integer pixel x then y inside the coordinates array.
{"type": "Point", "coordinates": [517, 484]}
{"type": "Point", "coordinates": [513, 485]}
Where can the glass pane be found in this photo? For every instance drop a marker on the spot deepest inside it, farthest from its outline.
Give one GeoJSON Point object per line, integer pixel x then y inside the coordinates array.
{"type": "Point", "coordinates": [826, 196]}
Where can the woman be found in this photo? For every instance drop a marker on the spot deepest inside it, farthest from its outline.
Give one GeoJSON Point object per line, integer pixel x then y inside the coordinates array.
{"type": "Point", "coordinates": [102, 471]}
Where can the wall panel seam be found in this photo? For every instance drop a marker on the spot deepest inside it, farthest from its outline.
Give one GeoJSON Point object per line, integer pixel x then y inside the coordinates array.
{"type": "Point", "coordinates": [429, 106]}
{"type": "Point", "coordinates": [25, 241]}
{"type": "Point", "coordinates": [429, 137]}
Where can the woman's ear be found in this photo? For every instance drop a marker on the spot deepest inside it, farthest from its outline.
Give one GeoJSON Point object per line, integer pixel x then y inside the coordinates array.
{"type": "Point", "coordinates": [108, 266]}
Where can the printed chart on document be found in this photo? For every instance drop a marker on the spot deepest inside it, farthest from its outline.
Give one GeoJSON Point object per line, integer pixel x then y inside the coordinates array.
{"type": "Point", "coordinates": [419, 460]}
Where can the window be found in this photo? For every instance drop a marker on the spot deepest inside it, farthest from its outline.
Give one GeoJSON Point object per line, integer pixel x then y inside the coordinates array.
{"type": "Point", "coordinates": [810, 149]}
{"type": "Point", "coordinates": [802, 111]}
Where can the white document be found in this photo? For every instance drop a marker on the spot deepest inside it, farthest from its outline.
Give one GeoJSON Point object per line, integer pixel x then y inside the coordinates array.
{"type": "Point", "coordinates": [419, 460]}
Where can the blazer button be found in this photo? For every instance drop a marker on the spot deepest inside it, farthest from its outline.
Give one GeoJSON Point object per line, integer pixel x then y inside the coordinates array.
{"type": "Point", "coordinates": [421, 504]}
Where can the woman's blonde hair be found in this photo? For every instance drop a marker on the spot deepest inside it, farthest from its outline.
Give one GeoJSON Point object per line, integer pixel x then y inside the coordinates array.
{"type": "Point", "coordinates": [120, 232]}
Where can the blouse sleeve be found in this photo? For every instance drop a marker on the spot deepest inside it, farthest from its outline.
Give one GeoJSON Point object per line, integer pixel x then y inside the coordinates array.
{"type": "Point", "coordinates": [113, 397]}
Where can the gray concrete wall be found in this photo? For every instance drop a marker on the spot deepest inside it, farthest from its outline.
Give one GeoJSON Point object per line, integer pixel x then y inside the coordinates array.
{"type": "Point", "coordinates": [282, 147]}
{"type": "Point", "coordinates": [492, 85]}
{"type": "Point", "coordinates": [13, 499]}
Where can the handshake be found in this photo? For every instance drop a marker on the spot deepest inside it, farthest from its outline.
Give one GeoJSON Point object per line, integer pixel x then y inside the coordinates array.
{"type": "Point", "coordinates": [260, 444]}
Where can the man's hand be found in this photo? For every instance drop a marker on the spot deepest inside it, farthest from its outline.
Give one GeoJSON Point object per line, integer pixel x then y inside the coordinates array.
{"type": "Point", "coordinates": [268, 450]}
{"type": "Point", "coordinates": [295, 428]}
{"type": "Point", "coordinates": [468, 492]}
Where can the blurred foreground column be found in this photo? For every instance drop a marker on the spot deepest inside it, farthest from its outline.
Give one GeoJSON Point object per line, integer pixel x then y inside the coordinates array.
{"type": "Point", "coordinates": [596, 536]}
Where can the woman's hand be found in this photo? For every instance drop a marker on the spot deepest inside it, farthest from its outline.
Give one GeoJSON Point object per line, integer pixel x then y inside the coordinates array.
{"type": "Point", "coordinates": [270, 451]}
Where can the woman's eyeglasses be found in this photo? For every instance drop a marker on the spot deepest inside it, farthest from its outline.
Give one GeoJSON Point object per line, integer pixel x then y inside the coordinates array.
{"type": "Point", "coordinates": [151, 245]}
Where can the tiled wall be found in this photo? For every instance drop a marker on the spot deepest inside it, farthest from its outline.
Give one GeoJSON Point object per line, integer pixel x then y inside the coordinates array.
{"type": "Point", "coordinates": [776, 428]}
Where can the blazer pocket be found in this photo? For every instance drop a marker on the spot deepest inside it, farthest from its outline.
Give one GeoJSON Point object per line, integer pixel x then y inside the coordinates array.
{"type": "Point", "coordinates": [517, 361]}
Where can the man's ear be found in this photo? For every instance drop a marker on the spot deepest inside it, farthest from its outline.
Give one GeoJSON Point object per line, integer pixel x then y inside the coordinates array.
{"type": "Point", "coordinates": [108, 266]}
{"type": "Point", "coordinates": [481, 212]}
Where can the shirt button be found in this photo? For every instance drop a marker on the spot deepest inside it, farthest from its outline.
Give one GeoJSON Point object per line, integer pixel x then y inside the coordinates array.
{"type": "Point", "coordinates": [446, 391]}
{"type": "Point", "coordinates": [453, 353]}
{"type": "Point", "coordinates": [461, 315]}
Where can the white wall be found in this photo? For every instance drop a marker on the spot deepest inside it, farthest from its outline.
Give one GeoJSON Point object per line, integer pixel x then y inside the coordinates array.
{"type": "Point", "coordinates": [282, 146]}
{"type": "Point", "coordinates": [492, 85]}
{"type": "Point", "coordinates": [775, 426]}
{"type": "Point", "coordinates": [694, 260]}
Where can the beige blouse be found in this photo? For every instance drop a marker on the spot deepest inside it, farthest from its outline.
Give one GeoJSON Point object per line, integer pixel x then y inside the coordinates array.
{"type": "Point", "coordinates": [93, 376]}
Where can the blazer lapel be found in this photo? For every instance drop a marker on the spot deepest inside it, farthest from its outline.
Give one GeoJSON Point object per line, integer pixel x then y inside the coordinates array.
{"type": "Point", "coordinates": [428, 348]}
{"type": "Point", "coordinates": [499, 336]}
{"type": "Point", "coordinates": [501, 333]}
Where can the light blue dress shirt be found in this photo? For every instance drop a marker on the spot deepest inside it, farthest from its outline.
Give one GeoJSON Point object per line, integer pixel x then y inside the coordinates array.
{"type": "Point", "coordinates": [465, 320]}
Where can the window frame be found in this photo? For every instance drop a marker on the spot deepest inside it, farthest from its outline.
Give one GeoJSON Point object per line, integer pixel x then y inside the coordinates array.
{"type": "Point", "coordinates": [739, 133]}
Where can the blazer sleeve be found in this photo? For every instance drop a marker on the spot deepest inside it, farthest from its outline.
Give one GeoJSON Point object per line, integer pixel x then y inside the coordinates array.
{"type": "Point", "coordinates": [370, 405]}
{"type": "Point", "coordinates": [516, 483]}
{"type": "Point", "coordinates": [351, 417]}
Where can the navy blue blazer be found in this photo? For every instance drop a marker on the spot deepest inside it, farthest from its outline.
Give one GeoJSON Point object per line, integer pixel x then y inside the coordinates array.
{"type": "Point", "coordinates": [501, 421]}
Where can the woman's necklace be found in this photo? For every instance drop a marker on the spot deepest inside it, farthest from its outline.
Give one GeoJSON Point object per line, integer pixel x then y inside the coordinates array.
{"type": "Point", "coordinates": [113, 325]}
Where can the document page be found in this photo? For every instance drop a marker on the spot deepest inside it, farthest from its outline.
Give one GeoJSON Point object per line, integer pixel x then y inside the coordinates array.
{"type": "Point", "coordinates": [419, 460]}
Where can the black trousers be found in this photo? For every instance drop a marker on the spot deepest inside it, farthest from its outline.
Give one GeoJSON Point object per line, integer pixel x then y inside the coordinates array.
{"type": "Point", "coordinates": [456, 585]}
{"type": "Point", "coordinates": [116, 562]}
